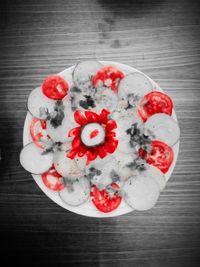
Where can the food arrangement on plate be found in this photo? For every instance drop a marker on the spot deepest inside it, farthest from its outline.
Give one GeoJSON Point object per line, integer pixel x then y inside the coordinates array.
{"type": "Point", "coordinates": [101, 136]}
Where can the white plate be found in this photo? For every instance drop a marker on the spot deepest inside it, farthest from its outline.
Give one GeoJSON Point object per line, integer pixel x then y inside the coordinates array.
{"type": "Point", "coordinates": [88, 209]}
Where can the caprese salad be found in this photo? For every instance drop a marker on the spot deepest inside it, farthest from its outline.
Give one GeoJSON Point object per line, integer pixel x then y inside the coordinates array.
{"type": "Point", "coordinates": [101, 136]}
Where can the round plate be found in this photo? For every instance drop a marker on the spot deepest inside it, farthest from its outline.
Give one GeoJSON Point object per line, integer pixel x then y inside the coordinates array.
{"type": "Point", "coordinates": [88, 209]}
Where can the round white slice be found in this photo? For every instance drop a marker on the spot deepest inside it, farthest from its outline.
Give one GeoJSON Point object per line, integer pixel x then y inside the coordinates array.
{"type": "Point", "coordinates": [33, 160]}
{"type": "Point", "coordinates": [38, 100]}
{"type": "Point", "coordinates": [83, 73]}
{"type": "Point", "coordinates": [78, 194]}
{"type": "Point", "coordinates": [163, 127]}
{"type": "Point", "coordinates": [60, 133]}
{"type": "Point", "coordinates": [99, 163]}
{"type": "Point", "coordinates": [134, 83]}
{"type": "Point", "coordinates": [79, 100]}
{"type": "Point", "coordinates": [124, 146]}
{"type": "Point", "coordinates": [123, 124]}
{"type": "Point", "coordinates": [108, 166]}
{"type": "Point", "coordinates": [124, 160]}
{"type": "Point", "coordinates": [157, 175]}
{"type": "Point", "coordinates": [81, 162]}
{"type": "Point", "coordinates": [106, 99]}
{"type": "Point", "coordinates": [141, 192]}
{"type": "Point", "coordinates": [66, 166]}
{"type": "Point", "coordinates": [88, 130]}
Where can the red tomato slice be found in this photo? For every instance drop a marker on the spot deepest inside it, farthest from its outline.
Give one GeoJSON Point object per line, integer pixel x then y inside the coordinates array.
{"type": "Point", "coordinates": [38, 131]}
{"type": "Point", "coordinates": [52, 174]}
{"type": "Point", "coordinates": [161, 155]}
{"type": "Point", "coordinates": [55, 87]}
{"type": "Point", "coordinates": [155, 102]}
{"type": "Point", "coordinates": [108, 76]}
{"type": "Point", "coordinates": [102, 200]}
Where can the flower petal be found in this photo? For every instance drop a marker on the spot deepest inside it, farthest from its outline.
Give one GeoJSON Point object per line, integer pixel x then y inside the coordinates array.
{"type": "Point", "coordinates": [91, 155]}
{"type": "Point", "coordinates": [72, 153]}
{"type": "Point", "coordinates": [111, 134]}
{"type": "Point", "coordinates": [104, 115]}
{"type": "Point", "coordinates": [76, 143]}
{"type": "Point", "coordinates": [111, 125]}
{"type": "Point", "coordinates": [101, 151]}
{"type": "Point", "coordinates": [74, 132]}
{"type": "Point", "coordinates": [80, 118]}
{"type": "Point", "coordinates": [82, 150]}
{"type": "Point", "coordinates": [111, 144]}
{"type": "Point", "coordinates": [91, 116]}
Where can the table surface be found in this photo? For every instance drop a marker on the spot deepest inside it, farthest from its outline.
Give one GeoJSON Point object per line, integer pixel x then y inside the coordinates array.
{"type": "Point", "coordinates": [160, 38]}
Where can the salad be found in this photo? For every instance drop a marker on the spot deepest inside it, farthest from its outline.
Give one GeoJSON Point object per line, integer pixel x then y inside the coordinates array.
{"type": "Point", "coordinates": [101, 136]}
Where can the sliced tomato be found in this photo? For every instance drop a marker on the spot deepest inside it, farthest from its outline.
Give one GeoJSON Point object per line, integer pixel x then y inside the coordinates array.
{"type": "Point", "coordinates": [55, 87]}
{"type": "Point", "coordinates": [103, 201]}
{"type": "Point", "coordinates": [155, 102]}
{"type": "Point", "coordinates": [161, 155]}
{"type": "Point", "coordinates": [52, 180]}
{"type": "Point", "coordinates": [38, 131]}
{"type": "Point", "coordinates": [108, 76]}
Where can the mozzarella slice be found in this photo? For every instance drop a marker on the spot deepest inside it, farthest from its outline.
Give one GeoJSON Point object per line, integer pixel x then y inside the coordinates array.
{"type": "Point", "coordinates": [107, 167]}
{"type": "Point", "coordinates": [77, 194]}
{"type": "Point", "coordinates": [163, 128]}
{"type": "Point", "coordinates": [60, 133]}
{"type": "Point", "coordinates": [83, 72]}
{"type": "Point", "coordinates": [141, 192]}
{"type": "Point", "coordinates": [66, 166]}
{"type": "Point", "coordinates": [106, 99]}
{"type": "Point", "coordinates": [38, 100]}
{"type": "Point", "coordinates": [33, 160]}
{"type": "Point", "coordinates": [134, 83]}
{"type": "Point", "coordinates": [123, 124]}
{"type": "Point", "coordinates": [157, 175]}
{"type": "Point", "coordinates": [123, 160]}
{"type": "Point", "coordinates": [87, 136]}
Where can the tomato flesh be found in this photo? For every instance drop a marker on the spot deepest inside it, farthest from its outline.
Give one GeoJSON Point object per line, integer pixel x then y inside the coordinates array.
{"type": "Point", "coordinates": [155, 102]}
{"type": "Point", "coordinates": [161, 155]}
{"type": "Point", "coordinates": [57, 185]}
{"type": "Point", "coordinates": [37, 131]}
{"type": "Point", "coordinates": [107, 76]}
{"type": "Point", "coordinates": [103, 201]}
{"type": "Point", "coordinates": [55, 87]}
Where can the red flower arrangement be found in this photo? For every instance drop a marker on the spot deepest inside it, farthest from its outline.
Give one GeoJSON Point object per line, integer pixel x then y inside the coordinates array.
{"type": "Point", "coordinates": [108, 144]}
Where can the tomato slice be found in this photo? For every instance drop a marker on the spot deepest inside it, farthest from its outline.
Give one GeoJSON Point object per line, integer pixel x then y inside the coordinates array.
{"type": "Point", "coordinates": [108, 76]}
{"type": "Point", "coordinates": [155, 102]}
{"type": "Point", "coordinates": [52, 180]}
{"type": "Point", "coordinates": [161, 155]}
{"type": "Point", "coordinates": [38, 131]}
{"type": "Point", "coordinates": [55, 87]}
{"type": "Point", "coordinates": [103, 201]}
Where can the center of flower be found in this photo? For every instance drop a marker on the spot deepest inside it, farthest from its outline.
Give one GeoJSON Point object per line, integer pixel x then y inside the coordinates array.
{"type": "Point", "coordinates": [92, 134]}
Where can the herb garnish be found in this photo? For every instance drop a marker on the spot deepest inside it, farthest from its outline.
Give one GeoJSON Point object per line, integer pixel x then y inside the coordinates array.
{"type": "Point", "coordinates": [132, 100]}
{"type": "Point", "coordinates": [75, 89]}
{"type": "Point", "coordinates": [138, 138]}
{"type": "Point", "coordinates": [89, 102]}
{"type": "Point", "coordinates": [49, 146]}
{"type": "Point", "coordinates": [138, 163]}
{"type": "Point", "coordinates": [114, 176]}
{"type": "Point", "coordinates": [55, 117]}
{"type": "Point", "coordinates": [58, 116]}
{"type": "Point", "coordinates": [69, 183]}
{"type": "Point", "coordinates": [93, 172]}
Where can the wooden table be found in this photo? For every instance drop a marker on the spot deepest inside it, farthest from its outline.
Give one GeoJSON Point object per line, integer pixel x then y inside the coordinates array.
{"type": "Point", "coordinates": [159, 37]}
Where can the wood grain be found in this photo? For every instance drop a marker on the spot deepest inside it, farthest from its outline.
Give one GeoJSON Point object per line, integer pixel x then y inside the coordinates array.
{"type": "Point", "coordinates": [158, 37]}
